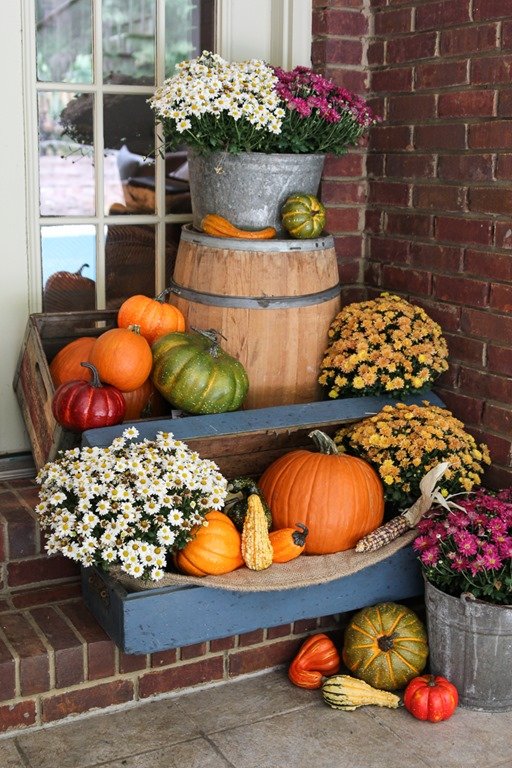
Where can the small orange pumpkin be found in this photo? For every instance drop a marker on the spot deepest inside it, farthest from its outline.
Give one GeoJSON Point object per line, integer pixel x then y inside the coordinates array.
{"type": "Point", "coordinates": [122, 358]}
{"type": "Point", "coordinates": [215, 548]}
{"type": "Point", "coordinates": [288, 543]}
{"type": "Point", "coordinates": [339, 497]}
{"type": "Point", "coordinates": [144, 402]}
{"type": "Point", "coordinates": [66, 365]}
{"type": "Point", "coordinates": [155, 317]}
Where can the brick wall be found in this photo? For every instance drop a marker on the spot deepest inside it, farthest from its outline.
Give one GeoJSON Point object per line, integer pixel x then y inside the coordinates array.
{"type": "Point", "coordinates": [437, 198]}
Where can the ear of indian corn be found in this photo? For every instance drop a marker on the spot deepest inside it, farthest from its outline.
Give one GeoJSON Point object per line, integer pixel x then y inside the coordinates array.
{"type": "Point", "coordinates": [257, 549]}
{"type": "Point", "coordinates": [384, 534]}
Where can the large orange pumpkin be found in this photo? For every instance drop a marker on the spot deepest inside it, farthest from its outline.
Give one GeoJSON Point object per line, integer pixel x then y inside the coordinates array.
{"type": "Point", "coordinates": [122, 358]}
{"type": "Point", "coordinates": [66, 365]}
{"type": "Point", "coordinates": [338, 497]}
{"type": "Point", "coordinates": [215, 548]}
{"type": "Point", "coordinates": [155, 317]}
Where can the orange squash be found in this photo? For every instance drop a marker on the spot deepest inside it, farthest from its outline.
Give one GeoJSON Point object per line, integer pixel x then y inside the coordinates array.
{"type": "Point", "coordinates": [122, 358]}
{"type": "Point", "coordinates": [218, 226]}
{"type": "Point", "coordinates": [339, 498]}
{"type": "Point", "coordinates": [155, 317]}
{"type": "Point", "coordinates": [65, 366]}
{"type": "Point", "coordinates": [215, 548]}
{"type": "Point", "coordinates": [288, 543]}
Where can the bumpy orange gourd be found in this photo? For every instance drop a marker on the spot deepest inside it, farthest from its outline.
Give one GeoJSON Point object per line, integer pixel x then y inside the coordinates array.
{"type": "Point", "coordinates": [65, 366]}
{"type": "Point", "coordinates": [215, 548]}
{"type": "Point", "coordinates": [155, 317]}
{"type": "Point", "coordinates": [431, 697]}
{"type": "Point", "coordinates": [122, 358]}
{"type": "Point", "coordinates": [218, 226]}
{"type": "Point", "coordinates": [338, 497]}
{"type": "Point", "coordinates": [288, 543]}
{"type": "Point", "coordinates": [317, 657]}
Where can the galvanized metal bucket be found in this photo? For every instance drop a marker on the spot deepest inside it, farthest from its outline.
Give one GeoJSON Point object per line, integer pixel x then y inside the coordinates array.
{"type": "Point", "coordinates": [249, 189]}
{"type": "Point", "coordinates": [471, 645]}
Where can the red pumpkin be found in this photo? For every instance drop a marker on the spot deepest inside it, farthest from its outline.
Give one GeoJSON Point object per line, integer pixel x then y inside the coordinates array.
{"type": "Point", "coordinates": [431, 697]}
{"type": "Point", "coordinates": [66, 365]}
{"type": "Point", "coordinates": [79, 405]}
{"type": "Point", "coordinates": [338, 497]}
{"type": "Point", "coordinates": [122, 358]}
{"type": "Point", "coordinates": [155, 317]}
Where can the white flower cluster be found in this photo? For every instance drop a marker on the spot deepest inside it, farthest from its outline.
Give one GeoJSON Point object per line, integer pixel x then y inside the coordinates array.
{"type": "Point", "coordinates": [131, 503]}
{"type": "Point", "coordinates": [211, 85]}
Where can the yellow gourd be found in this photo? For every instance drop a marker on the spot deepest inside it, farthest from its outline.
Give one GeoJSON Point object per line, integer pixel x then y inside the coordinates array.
{"type": "Point", "coordinates": [257, 550]}
{"type": "Point", "coordinates": [348, 693]}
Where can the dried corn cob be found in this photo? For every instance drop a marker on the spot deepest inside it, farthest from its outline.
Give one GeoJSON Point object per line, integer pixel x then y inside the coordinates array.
{"type": "Point", "coordinates": [384, 534]}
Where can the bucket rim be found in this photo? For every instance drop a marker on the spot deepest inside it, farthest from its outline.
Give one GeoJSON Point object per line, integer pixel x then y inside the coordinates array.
{"type": "Point", "coordinates": [278, 245]}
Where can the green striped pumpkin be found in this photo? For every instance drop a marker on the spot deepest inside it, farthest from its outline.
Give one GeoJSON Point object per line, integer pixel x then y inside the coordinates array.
{"type": "Point", "coordinates": [303, 216]}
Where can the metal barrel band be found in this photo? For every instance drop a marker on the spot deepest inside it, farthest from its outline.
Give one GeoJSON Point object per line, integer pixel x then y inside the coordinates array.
{"type": "Point", "coordinates": [256, 302]}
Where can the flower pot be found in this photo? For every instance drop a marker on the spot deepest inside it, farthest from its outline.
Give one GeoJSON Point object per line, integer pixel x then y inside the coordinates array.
{"type": "Point", "coordinates": [250, 188]}
{"type": "Point", "coordinates": [470, 644]}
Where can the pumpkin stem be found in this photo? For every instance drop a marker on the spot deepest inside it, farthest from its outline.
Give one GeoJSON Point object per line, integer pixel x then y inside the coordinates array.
{"type": "Point", "coordinates": [161, 296]}
{"type": "Point", "coordinates": [386, 642]}
{"type": "Point", "coordinates": [323, 442]}
{"type": "Point", "coordinates": [134, 328]}
{"type": "Point", "coordinates": [79, 271]}
{"type": "Point", "coordinates": [213, 336]}
{"type": "Point", "coordinates": [299, 537]}
{"type": "Point", "coordinates": [245, 484]}
{"type": "Point", "coordinates": [95, 376]}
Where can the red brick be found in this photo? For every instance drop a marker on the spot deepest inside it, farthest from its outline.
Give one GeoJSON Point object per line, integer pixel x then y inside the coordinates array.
{"type": "Point", "coordinates": [263, 657]}
{"type": "Point", "coordinates": [22, 532]}
{"type": "Point", "coordinates": [388, 22]}
{"type": "Point", "coordinates": [350, 272]}
{"type": "Point", "coordinates": [131, 662]}
{"type": "Point", "coordinates": [499, 359]}
{"type": "Point", "coordinates": [372, 274]}
{"type": "Point", "coordinates": [495, 266]}
{"type": "Point", "coordinates": [466, 104]}
{"type": "Point", "coordinates": [410, 166]}
{"type": "Point", "coordinates": [375, 53]}
{"type": "Point", "coordinates": [304, 625]}
{"type": "Point", "coordinates": [100, 649]}
{"type": "Point", "coordinates": [461, 290]}
{"type": "Point", "coordinates": [441, 74]}
{"type": "Point", "coordinates": [341, 191]}
{"type": "Point", "coordinates": [181, 676]}
{"type": "Point", "coordinates": [439, 196]}
{"type": "Point", "coordinates": [373, 221]}
{"type": "Point", "coordinates": [33, 657]}
{"type": "Point", "coordinates": [388, 193]}
{"type": "Point", "coordinates": [43, 595]}
{"type": "Point", "coordinates": [503, 165]}
{"type": "Point", "coordinates": [497, 419]}
{"type": "Point", "coordinates": [332, 49]}
{"type": "Point", "coordinates": [503, 235]}
{"type": "Point", "coordinates": [193, 651]}
{"type": "Point", "coordinates": [251, 638]}
{"type": "Point", "coordinates": [442, 14]}
{"type": "Point", "coordinates": [342, 220]}
{"type": "Point", "coordinates": [164, 658]}
{"type": "Point", "coordinates": [281, 631]}
{"type": "Point", "coordinates": [355, 80]}
{"type": "Point", "coordinates": [409, 224]}
{"type": "Point", "coordinates": [67, 648]}
{"type": "Point", "coordinates": [491, 9]}
{"type": "Point", "coordinates": [222, 644]}
{"type": "Point", "coordinates": [467, 409]}
{"type": "Point", "coordinates": [391, 80]}
{"type": "Point", "coordinates": [349, 165]}
{"type": "Point", "coordinates": [500, 448]}
{"type": "Point", "coordinates": [403, 50]}
{"type": "Point", "coordinates": [85, 699]}
{"type": "Point", "coordinates": [447, 315]}
{"type": "Point", "coordinates": [505, 103]}
{"type": "Point", "coordinates": [440, 136]}
{"type": "Point", "coordinates": [375, 165]}
{"type": "Point", "coordinates": [349, 247]}
{"type": "Point", "coordinates": [35, 571]}
{"type": "Point", "coordinates": [436, 257]}
{"type": "Point", "coordinates": [463, 230]}
{"type": "Point", "coordinates": [486, 325]}
{"type": "Point", "coordinates": [490, 70]}
{"type": "Point", "coordinates": [400, 279]}
{"type": "Point", "coordinates": [388, 250]}
{"type": "Point", "coordinates": [466, 350]}
{"type": "Point", "coordinates": [497, 477]}
{"type": "Point", "coordinates": [449, 379]}
{"type": "Point", "coordinates": [7, 673]}
{"type": "Point", "coordinates": [501, 298]}
{"type": "Point", "coordinates": [391, 138]}
{"type": "Point", "coordinates": [462, 40]}
{"type": "Point", "coordinates": [468, 167]}
{"type": "Point", "coordinates": [421, 105]}
{"type": "Point", "coordinates": [19, 715]}
{"type": "Point", "coordinates": [487, 135]}
{"type": "Point", "coordinates": [340, 22]}
{"type": "Point", "coordinates": [506, 34]}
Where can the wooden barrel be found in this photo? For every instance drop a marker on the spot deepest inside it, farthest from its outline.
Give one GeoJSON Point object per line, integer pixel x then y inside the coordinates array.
{"type": "Point", "coordinates": [272, 300]}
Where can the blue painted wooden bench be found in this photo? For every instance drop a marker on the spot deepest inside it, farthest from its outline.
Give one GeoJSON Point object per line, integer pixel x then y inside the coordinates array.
{"type": "Point", "coordinates": [243, 442]}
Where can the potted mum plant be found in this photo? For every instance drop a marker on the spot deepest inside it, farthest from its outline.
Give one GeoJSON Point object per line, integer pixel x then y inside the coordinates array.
{"type": "Point", "coordinates": [130, 505]}
{"type": "Point", "coordinates": [465, 551]}
{"type": "Point", "coordinates": [255, 133]}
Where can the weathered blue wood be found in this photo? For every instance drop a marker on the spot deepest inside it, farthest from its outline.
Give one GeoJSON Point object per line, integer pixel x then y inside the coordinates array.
{"type": "Point", "coordinates": [277, 417]}
{"type": "Point", "coordinates": [171, 617]}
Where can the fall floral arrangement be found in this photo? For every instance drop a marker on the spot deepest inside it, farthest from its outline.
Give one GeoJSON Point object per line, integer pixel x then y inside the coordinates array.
{"type": "Point", "coordinates": [403, 442]}
{"type": "Point", "coordinates": [129, 504]}
{"type": "Point", "coordinates": [213, 105]}
{"type": "Point", "coordinates": [468, 548]}
{"type": "Point", "coordinates": [382, 346]}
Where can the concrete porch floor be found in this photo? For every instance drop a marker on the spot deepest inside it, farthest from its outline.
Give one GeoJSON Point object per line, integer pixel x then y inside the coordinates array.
{"type": "Point", "coordinates": [261, 722]}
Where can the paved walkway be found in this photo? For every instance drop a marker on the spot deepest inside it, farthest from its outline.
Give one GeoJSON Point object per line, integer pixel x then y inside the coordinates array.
{"type": "Point", "coordinates": [262, 722]}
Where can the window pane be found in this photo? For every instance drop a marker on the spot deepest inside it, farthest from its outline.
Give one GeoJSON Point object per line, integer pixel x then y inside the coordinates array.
{"type": "Point", "coordinates": [129, 41]}
{"type": "Point", "coordinates": [64, 41]}
{"type": "Point", "coordinates": [182, 32]}
{"type": "Point", "coordinates": [68, 258]}
{"type": "Point", "coordinates": [129, 262]}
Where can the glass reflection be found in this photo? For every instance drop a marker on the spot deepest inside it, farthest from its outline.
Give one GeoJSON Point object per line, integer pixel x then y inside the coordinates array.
{"type": "Point", "coordinates": [129, 42]}
{"type": "Point", "coordinates": [64, 41]}
{"type": "Point", "coordinates": [68, 259]}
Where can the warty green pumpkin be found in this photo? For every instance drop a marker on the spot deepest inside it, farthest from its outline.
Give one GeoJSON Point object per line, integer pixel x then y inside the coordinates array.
{"type": "Point", "coordinates": [196, 375]}
{"type": "Point", "coordinates": [303, 216]}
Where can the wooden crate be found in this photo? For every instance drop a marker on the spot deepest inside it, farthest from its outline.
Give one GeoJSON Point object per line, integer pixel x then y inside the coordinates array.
{"type": "Point", "coordinates": [45, 335]}
{"type": "Point", "coordinates": [244, 442]}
